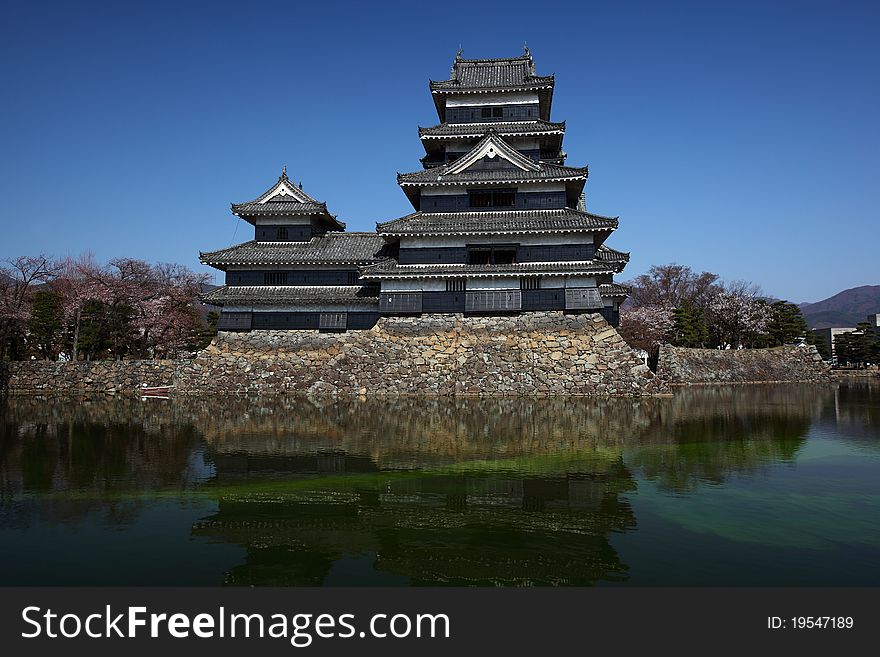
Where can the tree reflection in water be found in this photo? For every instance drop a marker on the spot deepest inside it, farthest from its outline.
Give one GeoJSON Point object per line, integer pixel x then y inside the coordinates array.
{"type": "Point", "coordinates": [440, 491]}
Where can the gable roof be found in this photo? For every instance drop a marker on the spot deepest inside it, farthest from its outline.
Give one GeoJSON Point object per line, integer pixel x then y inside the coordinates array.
{"type": "Point", "coordinates": [492, 145]}
{"type": "Point", "coordinates": [285, 198]}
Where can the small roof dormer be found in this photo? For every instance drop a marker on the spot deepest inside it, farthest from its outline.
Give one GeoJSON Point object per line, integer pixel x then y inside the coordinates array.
{"type": "Point", "coordinates": [285, 199]}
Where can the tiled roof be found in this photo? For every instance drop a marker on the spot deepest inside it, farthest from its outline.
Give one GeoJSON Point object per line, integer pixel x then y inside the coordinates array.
{"type": "Point", "coordinates": [503, 73]}
{"type": "Point", "coordinates": [546, 172]}
{"type": "Point", "coordinates": [332, 248]}
{"type": "Point", "coordinates": [521, 169]}
{"type": "Point", "coordinates": [505, 221]}
{"type": "Point", "coordinates": [278, 207]}
{"type": "Point", "coordinates": [611, 255]}
{"type": "Point", "coordinates": [392, 269]}
{"type": "Point", "coordinates": [292, 294]}
{"type": "Point", "coordinates": [285, 198]}
{"type": "Point", "coordinates": [463, 130]}
{"type": "Point", "coordinates": [613, 290]}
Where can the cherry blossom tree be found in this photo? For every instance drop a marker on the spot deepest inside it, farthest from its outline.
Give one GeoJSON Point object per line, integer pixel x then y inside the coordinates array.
{"type": "Point", "coordinates": [672, 286]}
{"type": "Point", "coordinates": [645, 327]}
{"type": "Point", "coordinates": [130, 307]}
{"type": "Point", "coordinates": [738, 315]}
{"type": "Point", "coordinates": [18, 279]}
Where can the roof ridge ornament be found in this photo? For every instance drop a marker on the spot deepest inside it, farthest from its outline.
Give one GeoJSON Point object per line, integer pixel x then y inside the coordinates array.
{"type": "Point", "coordinates": [283, 175]}
{"type": "Point", "coordinates": [528, 54]}
{"type": "Point", "coordinates": [452, 75]}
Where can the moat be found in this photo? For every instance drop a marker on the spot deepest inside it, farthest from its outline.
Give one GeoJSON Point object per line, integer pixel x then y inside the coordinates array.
{"type": "Point", "coordinates": [740, 485]}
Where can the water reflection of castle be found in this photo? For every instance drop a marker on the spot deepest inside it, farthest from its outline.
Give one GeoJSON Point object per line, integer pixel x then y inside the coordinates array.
{"type": "Point", "coordinates": [438, 528]}
{"type": "Point", "coordinates": [504, 491]}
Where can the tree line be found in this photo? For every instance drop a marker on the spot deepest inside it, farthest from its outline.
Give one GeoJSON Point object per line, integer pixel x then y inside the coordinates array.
{"type": "Point", "coordinates": [674, 304]}
{"type": "Point", "coordinates": [77, 309]}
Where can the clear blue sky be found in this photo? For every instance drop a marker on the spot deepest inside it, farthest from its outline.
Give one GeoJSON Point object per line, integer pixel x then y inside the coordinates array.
{"type": "Point", "coordinates": [740, 138]}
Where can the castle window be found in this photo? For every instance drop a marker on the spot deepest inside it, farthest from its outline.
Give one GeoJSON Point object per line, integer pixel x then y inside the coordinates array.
{"type": "Point", "coordinates": [275, 278]}
{"type": "Point", "coordinates": [499, 198]}
{"type": "Point", "coordinates": [486, 113]}
{"type": "Point", "coordinates": [480, 199]}
{"type": "Point", "coordinates": [498, 112]}
{"type": "Point", "coordinates": [455, 285]}
{"type": "Point", "coordinates": [530, 283]}
{"type": "Point", "coordinates": [492, 255]}
{"type": "Point", "coordinates": [282, 233]}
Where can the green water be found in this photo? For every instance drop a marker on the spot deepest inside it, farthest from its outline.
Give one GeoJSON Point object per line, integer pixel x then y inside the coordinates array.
{"type": "Point", "coordinates": [763, 485]}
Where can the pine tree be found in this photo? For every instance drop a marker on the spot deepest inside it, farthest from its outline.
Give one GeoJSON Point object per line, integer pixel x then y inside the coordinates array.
{"type": "Point", "coordinates": [46, 323]}
{"type": "Point", "coordinates": [786, 323]}
{"type": "Point", "coordinates": [690, 326]}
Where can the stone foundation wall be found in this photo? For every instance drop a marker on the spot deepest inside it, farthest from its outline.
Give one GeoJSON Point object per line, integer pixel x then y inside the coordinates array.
{"type": "Point", "coordinates": [122, 377]}
{"type": "Point", "coordinates": [682, 366]}
{"type": "Point", "coordinates": [547, 353]}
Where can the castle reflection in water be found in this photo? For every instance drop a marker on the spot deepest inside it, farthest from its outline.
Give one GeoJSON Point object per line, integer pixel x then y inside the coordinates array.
{"type": "Point", "coordinates": [440, 491]}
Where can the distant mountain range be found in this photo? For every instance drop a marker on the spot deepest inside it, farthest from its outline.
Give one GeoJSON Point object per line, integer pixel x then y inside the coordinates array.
{"type": "Point", "coordinates": [844, 309]}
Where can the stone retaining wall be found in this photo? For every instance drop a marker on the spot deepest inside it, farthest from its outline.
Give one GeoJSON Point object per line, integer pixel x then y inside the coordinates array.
{"type": "Point", "coordinates": [84, 378]}
{"type": "Point", "coordinates": [682, 366]}
{"type": "Point", "coordinates": [547, 353]}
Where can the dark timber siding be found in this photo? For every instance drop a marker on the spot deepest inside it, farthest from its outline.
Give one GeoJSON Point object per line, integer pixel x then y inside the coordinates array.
{"type": "Point", "coordinates": [294, 233]}
{"type": "Point", "coordinates": [443, 302]}
{"type": "Point", "coordinates": [294, 277]}
{"type": "Point", "coordinates": [535, 253]}
{"type": "Point", "coordinates": [310, 320]}
{"type": "Point", "coordinates": [461, 203]}
{"type": "Point", "coordinates": [509, 113]}
{"type": "Point", "coordinates": [547, 299]}
{"type": "Point", "coordinates": [237, 321]}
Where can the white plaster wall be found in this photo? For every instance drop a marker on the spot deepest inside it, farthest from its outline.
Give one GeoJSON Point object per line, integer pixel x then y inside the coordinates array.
{"type": "Point", "coordinates": [509, 98]}
{"type": "Point", "coordinates": [495, 283]}
{"type": "Point", "coordinates": [445, 191]}
{"type": "Point", "coordinates": [410, 285]}
{"type": "Point", "coordinates": [580, 281]}
{"type": "Point", "coordinates": [281, 220]}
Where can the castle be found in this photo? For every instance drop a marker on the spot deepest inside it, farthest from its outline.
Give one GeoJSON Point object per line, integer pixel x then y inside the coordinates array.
{"type": "Point", "coordinates": [499, 225]}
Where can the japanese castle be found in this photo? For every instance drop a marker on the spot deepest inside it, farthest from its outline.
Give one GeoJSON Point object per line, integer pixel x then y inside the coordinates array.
{"type": "Point", "coordinates": [499, 225]}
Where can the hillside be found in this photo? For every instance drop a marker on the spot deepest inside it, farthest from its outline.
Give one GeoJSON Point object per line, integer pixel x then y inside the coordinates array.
{"type": "Point", "coordinates": [846, 308]}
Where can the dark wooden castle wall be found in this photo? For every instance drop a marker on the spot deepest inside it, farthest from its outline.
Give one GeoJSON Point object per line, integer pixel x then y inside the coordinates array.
{"type": "Point", "coordinates": [524, 253]}
{"type": "Point", "coordinates": [524, 112]}
{"type": "Point", "coordinates": [523, 201]}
